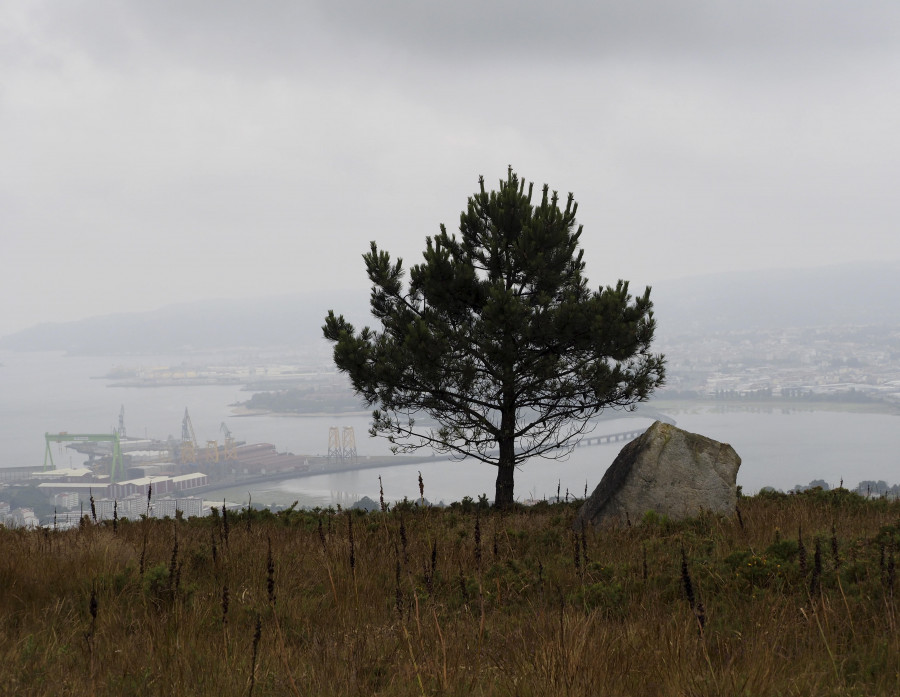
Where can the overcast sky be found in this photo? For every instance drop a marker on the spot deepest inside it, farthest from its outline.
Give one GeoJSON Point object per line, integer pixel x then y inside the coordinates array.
{"type": "Point", "coordinates": [161, 151]}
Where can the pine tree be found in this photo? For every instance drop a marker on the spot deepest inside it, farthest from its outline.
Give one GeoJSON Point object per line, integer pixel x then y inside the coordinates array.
{"type": "Point", "coordinates": [497, 344]}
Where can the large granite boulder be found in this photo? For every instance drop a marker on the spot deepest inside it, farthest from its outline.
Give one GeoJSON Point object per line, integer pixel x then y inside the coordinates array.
{"type": "Point", "coordinates": [666, 470]}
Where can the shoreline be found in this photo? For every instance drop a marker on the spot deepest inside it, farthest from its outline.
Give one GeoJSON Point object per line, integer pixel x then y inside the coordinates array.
{"type": "Point", "coordinates": [662, 405]}
{"type": "Point", "coordinates": [798, 405]}
{"type": "Point", "coordinates": [369, 463]}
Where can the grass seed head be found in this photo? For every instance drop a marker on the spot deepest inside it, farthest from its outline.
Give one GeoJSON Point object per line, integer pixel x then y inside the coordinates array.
{"type": "Point", "coordinates": [801, 551]}
{"type": "Point", "coordinates": [686, 580]}
{"type": "Point", "coordinates": [270, 573]}
{"type": "Point", "coordinates": [225, 601]}
{"type": "Point", "coordinates": [350, 540]}
{"type": "Point", "coordinates": [835, 550]}
{"type": "Point", "coordinates": [817, 568]}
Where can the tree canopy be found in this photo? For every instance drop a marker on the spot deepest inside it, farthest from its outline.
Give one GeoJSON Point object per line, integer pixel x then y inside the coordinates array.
{"type": "Point", "coordinates": [497, 349]}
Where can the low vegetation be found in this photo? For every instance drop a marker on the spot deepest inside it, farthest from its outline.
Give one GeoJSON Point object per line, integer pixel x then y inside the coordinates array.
{"type": "Point", "coordinates": [793, 595]}
{"type": "Point", "coordinates": [305, 400]}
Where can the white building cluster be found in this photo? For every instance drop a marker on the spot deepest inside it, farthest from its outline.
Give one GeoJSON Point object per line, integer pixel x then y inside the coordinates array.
{"type": "Point", "coordinates": [131, 508]}
{"type": "Point", "coordinates": [135, 505]}
{"type": "Point", "coordinates": [100, 488]}
{"type": "Point", "coordinates": [72, 491]}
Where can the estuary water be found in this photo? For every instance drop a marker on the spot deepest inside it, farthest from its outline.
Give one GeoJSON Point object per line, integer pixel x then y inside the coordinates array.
{"type": "Point", "coordinates": [49, 392]}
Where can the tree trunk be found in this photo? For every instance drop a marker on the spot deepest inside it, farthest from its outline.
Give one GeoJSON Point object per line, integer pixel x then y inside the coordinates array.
{"type": "Point", "coordinates": [506, 470]}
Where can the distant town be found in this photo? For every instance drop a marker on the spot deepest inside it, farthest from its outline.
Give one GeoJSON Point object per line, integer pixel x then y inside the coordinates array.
{"type": "Point", "coordinates": [841, 364]}
{"type": "Point", "coordinates": [838, 364]}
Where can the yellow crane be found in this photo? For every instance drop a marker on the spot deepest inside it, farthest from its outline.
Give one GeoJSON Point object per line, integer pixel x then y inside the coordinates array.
{"type": "Point", "coordinates": [211, 454]}
{"type": "Point", "coordinates": [230, 450]}
{"type": "Point", "coordinates": [188, 453]}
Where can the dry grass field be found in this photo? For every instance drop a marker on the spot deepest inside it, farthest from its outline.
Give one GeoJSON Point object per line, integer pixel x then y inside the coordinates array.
{"type": "Point", "coordinates": [795, 595]}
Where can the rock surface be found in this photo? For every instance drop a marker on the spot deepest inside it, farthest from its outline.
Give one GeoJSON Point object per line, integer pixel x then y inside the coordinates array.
{"type": "Point", "coordinates": [666, 470]}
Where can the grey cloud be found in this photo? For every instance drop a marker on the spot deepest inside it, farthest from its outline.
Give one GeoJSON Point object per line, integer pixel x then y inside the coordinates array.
{"type": "Point", "coordinates": [282, 36]}
{"type": "Point", "coordinates": [218, 140]}
{"type": "Point", "coordinates": [518, 29]}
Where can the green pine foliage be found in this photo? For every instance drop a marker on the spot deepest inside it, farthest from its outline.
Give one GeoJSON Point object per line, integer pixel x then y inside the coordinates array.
{"type": "Point", "coordinates": [497, 339]}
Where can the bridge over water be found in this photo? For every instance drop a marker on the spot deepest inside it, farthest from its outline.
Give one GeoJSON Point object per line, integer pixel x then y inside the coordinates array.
{"type": "Point", "coordinates": [624, 436]}
{"type": "Point", "coordinates": [610, 438]}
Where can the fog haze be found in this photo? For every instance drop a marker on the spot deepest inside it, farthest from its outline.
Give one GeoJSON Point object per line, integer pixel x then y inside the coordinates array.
{"type": "Point", "coordinates": [156, 153]}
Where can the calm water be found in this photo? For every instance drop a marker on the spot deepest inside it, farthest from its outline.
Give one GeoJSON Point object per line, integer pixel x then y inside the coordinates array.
{"type": "Point", "coordinates": [50, 393]}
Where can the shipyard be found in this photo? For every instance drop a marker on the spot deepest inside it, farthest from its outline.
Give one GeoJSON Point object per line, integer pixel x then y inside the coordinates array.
{"type": "Point", "coordinates": [127, 477]}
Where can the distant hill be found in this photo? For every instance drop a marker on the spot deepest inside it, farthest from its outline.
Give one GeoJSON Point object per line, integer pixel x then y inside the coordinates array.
{"type": "Point", "coordinates": [290, 320]}
{"type": "Point", "coordinates": [836, 295]}
{"type": "Point", "coordinates": [846, 294]}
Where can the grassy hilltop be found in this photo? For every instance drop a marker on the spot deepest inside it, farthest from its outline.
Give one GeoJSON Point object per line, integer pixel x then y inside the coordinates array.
{"type": "Point", "coordinates": [795, 595]}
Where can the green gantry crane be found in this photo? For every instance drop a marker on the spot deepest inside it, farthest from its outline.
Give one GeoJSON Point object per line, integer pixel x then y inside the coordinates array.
{"type": "Point", "coordinates": [115, 466]}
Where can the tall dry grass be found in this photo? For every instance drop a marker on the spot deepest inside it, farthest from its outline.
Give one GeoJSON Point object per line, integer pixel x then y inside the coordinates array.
{"type": "Point", "coordinates": [459, 601]}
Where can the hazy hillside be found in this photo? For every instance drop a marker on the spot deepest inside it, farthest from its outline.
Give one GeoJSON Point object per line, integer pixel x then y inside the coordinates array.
{"type": "Point", "coordinates": [289, 320]}
{"type": "Point", "coordinates": [836, 295]}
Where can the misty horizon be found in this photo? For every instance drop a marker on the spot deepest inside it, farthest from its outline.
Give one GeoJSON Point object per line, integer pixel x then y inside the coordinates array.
{"type": "Point", "coordinates": [844, 294]}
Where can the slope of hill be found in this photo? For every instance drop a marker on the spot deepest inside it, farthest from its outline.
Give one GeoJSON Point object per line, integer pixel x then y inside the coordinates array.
{"type": "Point", "coordinates": [290, 320]}
{"type": "Point", "coordinates": [847, 294]}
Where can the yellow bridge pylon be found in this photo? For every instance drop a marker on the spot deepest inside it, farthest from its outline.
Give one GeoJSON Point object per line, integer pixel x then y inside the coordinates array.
{"type": "Point", "coordinates": [348, 444]}
{"type": "Point", "coordinates": [335, 451]}
{"type": "Point", "coordinates": [342, 444]}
